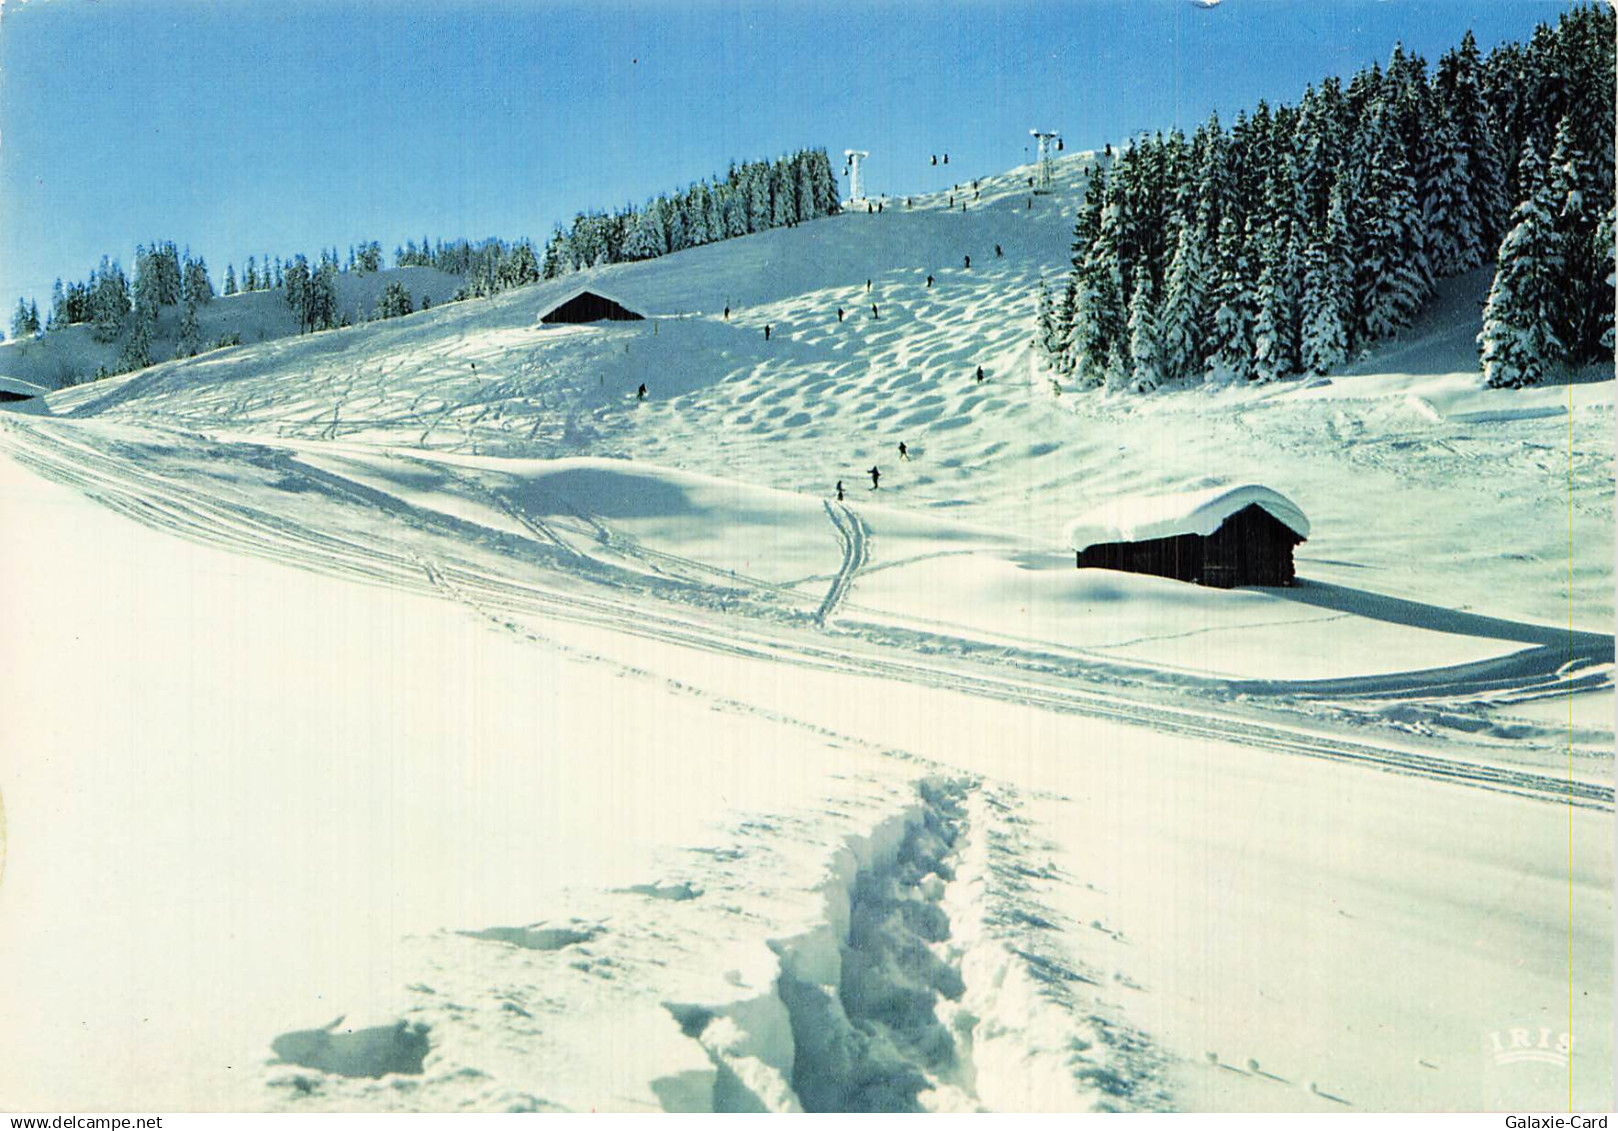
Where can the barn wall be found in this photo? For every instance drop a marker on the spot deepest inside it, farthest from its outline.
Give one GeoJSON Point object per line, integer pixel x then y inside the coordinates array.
{"type": "Point", "coordinates": [1251, 547]}
{"type": "Point", "coordinates": [591, 307]}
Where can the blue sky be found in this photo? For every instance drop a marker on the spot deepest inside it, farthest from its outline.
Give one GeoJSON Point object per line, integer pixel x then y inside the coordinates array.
{"type": "Point", "coordinates": [249, 126]}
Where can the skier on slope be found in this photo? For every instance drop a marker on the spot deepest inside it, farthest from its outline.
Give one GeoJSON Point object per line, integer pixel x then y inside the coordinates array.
{"type": "Point", "coordinates": [839, 490]}
{"type": "Point", "coordinates": [980, 375]}
{"type": "Point", "coordinates": [969, 263]}
{"type": "Point", "coordinates": [875, 316]}
{"type": "Point", "coordinates": [640, 393]}
{"type": "Point", "coordinates": [929, 282]}
{"type": "Point", "coordinates": [876, 478]}
{"type": "Point", "coordinates": [839, 314]}
{"type": "Point", "coordinates": [904, 452]}
{"type": "Point", "coordinates": [727, 312]}
{"type": "Point", "coordinates": [767, 329]}
{"type": "Point", "coordinates": [997, 252]}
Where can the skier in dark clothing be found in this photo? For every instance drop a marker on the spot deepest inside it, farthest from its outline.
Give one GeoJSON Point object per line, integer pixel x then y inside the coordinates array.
{"type": "Point", "coordinates": [997, 252]}
{"type": "Point", "coordinates": [869, 208]}
{"type": "Point", "coordinates": [946, 159]}
{"type": "Point", "coordinates": [874, 315]}
{"type": "Point", "coordinates": [767, 329]}
{"type": "Point", "coordinates": [876, 477]}
{"type": "Point", "coordinates": [727, 313]}
{"type": "Point", "coordinates": [929, 282]}
{"type": "Point", "coordinates": [867, 286]}
{"type": "Point", "coordinates": [969, 263]}
{"type": "Point", "coordinates": [640, 393]}
{"type": "Point", "coordinates": [980, 375]}
{"type": "Point", "coordinates": [904, 452]}
{"type": "Point", "coordinates": [935, 159]}
{"type": "Point", "coordinates": [839, 490]}
{"type": "Point", "coordinates": [839, 314]}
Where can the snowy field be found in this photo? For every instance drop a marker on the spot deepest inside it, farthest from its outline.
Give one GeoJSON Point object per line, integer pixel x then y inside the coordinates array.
{"type": "Point", "coordinates": [409, 717]}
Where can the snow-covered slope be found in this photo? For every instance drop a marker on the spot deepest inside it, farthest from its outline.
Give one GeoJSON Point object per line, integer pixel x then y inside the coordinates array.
{"type": "Point", "coordinates": [71, 355]}
{"type": "Point", "coordinates": [482, 736]}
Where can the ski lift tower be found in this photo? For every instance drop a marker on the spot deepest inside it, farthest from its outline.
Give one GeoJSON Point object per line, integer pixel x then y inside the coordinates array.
{"type": "Point", "coordinates": [1049, 142]}
{"type": "Point", "coordinates": [856, 181]}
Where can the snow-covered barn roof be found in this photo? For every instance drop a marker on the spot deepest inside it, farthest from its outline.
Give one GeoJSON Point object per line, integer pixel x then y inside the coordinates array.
{"type": "Point", "coordinates": [1140, 518]}
{"type": "Point", "coordinates": [578, 292]}
{"type": "Point", "coordinates": [21, 388]}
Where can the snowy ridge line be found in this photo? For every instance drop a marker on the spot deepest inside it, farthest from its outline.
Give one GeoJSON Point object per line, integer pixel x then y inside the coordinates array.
{"type": "Point", "coordinates": [890, 1001]}
{"type": "Point", "coordinates": [248, 530]}
{"type": "Point", "coordinates": [854, 537]}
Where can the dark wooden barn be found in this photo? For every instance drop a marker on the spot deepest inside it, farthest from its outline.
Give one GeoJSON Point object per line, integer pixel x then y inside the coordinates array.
{"type": "Point", "coordinates": [1223, 538]}
{"type": "Point", "coordinates": [589, 306]}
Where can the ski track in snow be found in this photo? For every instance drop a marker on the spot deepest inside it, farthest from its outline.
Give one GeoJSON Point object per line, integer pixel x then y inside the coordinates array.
{"type": "Point", "coordinates": [853, 536]}
{"type": "Point", "coordinates": [623, 608]}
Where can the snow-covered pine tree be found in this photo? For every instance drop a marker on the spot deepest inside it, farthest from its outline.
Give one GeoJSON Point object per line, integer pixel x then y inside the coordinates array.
{"type": "Point", "coordinates": [190, 339]}
{"type": "Point", "coordinates": [137, 349]}
{"type": "Point", "coordinates": [1577, 196]}
{"type": "Point", "coordinates": [825, 183]}
{"type": "Point", "coordinates": [1230, 352]}
{"type": "Point", "coordinates": [1457, 87]}
{"type": "Point", "coordinates": [646, 239]}
{"type": "Point", "coordinates": [170, 279]}
{"type": "Point", "coordinates": [806, 188]}
{"type": "Point", "coordinates": [1392, 279]}
{"type": "Point", "coordinates": [20, 325]}
{"type": "Point", "coordinates": [674, 226]}
{"type": "Point", "coordinates": [1273, 345]}
{"type": "Point", "coordinates": [1518, 343]}
{"type": "Point", "coordinates": [323, 312]}
{"type": "Point", "coordinates": [198, 288]}
{"type": "Point", "coordinates": [732, 212]}
{"type": "Point", "coordinates": [147, 285]}
{"type": "Point", "coordinates": [1146, 372]}
{"type": "Point", "coordinates": [250, 276]}
{"type": "Point", "coordinates": [1324, 344]}
{"type": "Point", "coordinates": [297, 290]}
{"type": "Point", "coordinates": [109, 301]}
{"type": "Point", "coordinates": [757, 182]}
{"type": "Point", "coordinates": [524, 265]}
{"type": "Point", "coordinates": [783, 205]}
{"type": "Point", "coordinates": [230, 279]}
{"type": "Point", "coordinates": [394, 301]}
{"type": "Point", "coordinates": [1049, 334]}
{"type": "Point", "coordinates": [1454, 240]}
{"type": "Point", "coordinates": [1099, 345]}
{"type": "Point", "coordinates": [1180, 320]}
